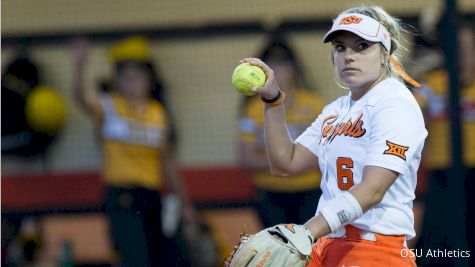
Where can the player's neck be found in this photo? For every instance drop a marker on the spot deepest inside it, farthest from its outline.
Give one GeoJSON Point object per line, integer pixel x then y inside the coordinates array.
{"type": "Point", "coordinates": [358, 92]}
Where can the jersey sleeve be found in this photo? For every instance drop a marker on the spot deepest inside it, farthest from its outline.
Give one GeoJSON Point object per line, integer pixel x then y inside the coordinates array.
{"type": "Point", "coordinates": [310, 138]}
{"type": "Point", "coordinates": [397, 135]}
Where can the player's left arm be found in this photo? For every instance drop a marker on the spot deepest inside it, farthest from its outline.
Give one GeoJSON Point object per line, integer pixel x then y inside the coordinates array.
{"type": "Point", "coordinates": [375, 183]}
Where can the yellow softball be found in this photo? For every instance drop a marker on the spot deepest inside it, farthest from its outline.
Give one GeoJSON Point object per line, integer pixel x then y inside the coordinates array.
{"type": "Point", "coordinates": [247, 76]}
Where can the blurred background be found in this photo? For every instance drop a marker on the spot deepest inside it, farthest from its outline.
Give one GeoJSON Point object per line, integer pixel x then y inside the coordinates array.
{"type": "Point", "coordinates": [52, 191]}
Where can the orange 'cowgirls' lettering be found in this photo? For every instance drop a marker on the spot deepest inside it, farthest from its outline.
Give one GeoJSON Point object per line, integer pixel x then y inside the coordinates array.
{"type": "Point", "coordinates": [352, 129]}
{"type": "Point", "coordinates": [350, 20]}
{"type": "Point", "coordinates": [396, 150]}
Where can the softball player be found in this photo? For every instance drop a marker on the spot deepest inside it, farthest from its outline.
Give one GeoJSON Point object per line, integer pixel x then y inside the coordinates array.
{"type": "Point", "coordinates": [367, 144]}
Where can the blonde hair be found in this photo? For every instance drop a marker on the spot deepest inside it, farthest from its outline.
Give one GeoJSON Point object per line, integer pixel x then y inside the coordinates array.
{"type": "Point", "coordinates": [395, 29]}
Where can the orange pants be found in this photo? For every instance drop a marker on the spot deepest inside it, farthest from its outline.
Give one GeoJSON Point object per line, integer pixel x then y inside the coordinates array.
{"type": "Point", "coordinates": [354, 251]}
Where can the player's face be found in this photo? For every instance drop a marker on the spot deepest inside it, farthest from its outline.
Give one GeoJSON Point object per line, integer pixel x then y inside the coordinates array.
{"type": "Point", "coordinates": [358, 62]}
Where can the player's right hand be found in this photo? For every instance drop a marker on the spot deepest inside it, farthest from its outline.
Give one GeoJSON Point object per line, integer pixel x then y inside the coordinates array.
{"type": "Point", "coordinates": [270, 89]}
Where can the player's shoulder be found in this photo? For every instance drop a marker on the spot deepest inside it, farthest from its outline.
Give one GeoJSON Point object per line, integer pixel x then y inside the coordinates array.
{"type": "Point", "coordinates": [393, 97]}
{"type": "Point", "coordinates": [391, 92]}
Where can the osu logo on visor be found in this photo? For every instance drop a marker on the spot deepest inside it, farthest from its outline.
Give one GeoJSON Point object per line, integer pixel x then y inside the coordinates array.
{"type": "Point", "coordinates": [351, 20]}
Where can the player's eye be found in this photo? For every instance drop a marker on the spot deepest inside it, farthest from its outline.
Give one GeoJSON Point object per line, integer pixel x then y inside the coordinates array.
{"type": "Point", "coordinates": [362, 46]}
{"type": "Point", "coordinates": [338, 48]}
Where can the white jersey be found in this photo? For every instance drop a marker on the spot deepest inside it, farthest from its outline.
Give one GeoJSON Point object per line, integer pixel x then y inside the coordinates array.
{"type": "Point", "coordinates": [384, 128]}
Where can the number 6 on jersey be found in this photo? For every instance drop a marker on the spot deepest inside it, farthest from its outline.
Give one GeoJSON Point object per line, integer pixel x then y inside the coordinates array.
{"type": "Point", "coordinates": [344, 173]}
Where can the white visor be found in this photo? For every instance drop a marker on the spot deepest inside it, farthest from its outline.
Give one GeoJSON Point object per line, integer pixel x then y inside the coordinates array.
{"type": "Point", "coordinates": [361, 25]}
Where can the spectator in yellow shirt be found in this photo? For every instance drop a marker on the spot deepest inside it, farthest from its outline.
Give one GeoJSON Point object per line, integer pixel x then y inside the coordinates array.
{"type": "Point", "coordinates": [135, 133]}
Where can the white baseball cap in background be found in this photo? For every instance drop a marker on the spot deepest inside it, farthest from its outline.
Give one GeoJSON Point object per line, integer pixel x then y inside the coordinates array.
{"type": "Point", "coordinates": [361, 25]}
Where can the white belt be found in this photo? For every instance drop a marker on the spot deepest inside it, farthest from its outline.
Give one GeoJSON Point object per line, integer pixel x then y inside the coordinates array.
{"type": "Point", "coordinates": [341, 233]}
{"type": "Point", "coordinates": [365, 235]}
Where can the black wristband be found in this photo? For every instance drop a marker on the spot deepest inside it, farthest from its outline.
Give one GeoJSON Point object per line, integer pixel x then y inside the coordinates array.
{"type": "Point", "coordinates": [273, 99]}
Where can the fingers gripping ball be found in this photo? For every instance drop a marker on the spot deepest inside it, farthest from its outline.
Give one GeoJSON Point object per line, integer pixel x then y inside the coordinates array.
{"type": "Point", "coordinates": [247, 76]}
{"type": "Point", "coordinates": [45, 110]}
{"type": "Point", "coordinates": [280, 245]}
